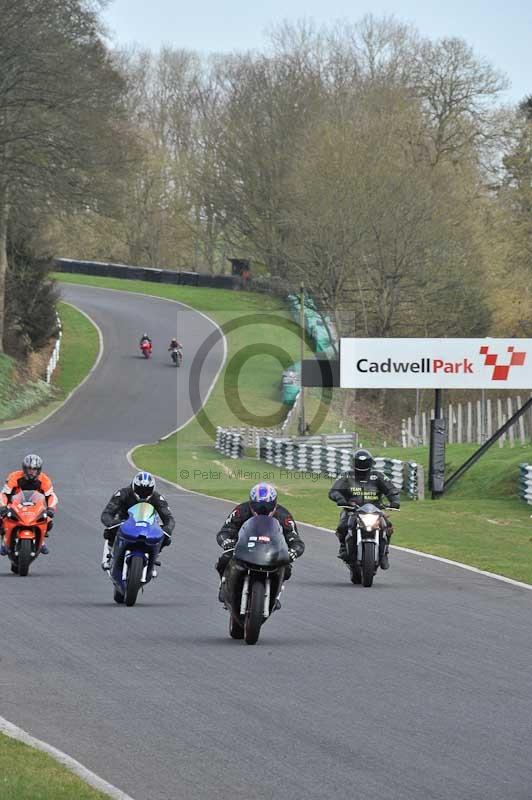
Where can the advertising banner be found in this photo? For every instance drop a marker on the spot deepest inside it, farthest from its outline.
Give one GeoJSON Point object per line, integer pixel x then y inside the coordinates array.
{"type": "Point", "coordinates": [436, 363]}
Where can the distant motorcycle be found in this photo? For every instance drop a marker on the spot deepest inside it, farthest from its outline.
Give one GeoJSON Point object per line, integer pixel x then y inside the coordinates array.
{"type": "Point", "coordinates": [146, 348]}
{"type": "Point", "coordinates": [177, 356]}
{"type": "Point", "coordinates": [25, 527]}
{"type": "Point", "coordinates": [254, 576]}
{"type": "Point", "coordinates": [135, 552]}
{"type": "Point", "coordinates": [365, 540]}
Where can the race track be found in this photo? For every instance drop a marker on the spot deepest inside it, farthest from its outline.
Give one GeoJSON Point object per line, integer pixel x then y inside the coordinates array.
{"type": "Point", "coordinates": [417, 689]}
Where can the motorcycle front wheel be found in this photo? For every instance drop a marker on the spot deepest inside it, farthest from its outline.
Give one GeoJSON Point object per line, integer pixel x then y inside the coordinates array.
{"type": "Point", "coordinates": [254, 613]}
{"type": "Point", "coordinates": [135, 569]}
{"type": "Point", "coordinates": [24, 556]}
{"type": "Point", "coordinates": [368, 564]}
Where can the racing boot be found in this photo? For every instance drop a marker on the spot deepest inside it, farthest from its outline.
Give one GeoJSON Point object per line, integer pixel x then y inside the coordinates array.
{"type": "Point", "coordinates": [384, 562]}
{"type": "Point", "coordinates": [3, 549]}
{"type": "Point", "coordinates": [221, 591]}
{"type": "Point", "coordinates": [106, 557]}
{"type": "Point", "coordinates": [342, 552]}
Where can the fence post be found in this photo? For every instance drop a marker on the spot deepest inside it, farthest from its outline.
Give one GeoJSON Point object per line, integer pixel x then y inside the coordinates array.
{"type": "Point", "coordinates": [450, 432]}
{"type": "Point", "coordinates": [469, 421]}
{"type": "Point", "coordinates": [522, 433]}
{"type": "Point", "coordinates": [459, 432]}
{"type": "Point", "coordinates": [500, 421]}
{"type": "Point", "coordinates": [511, 436]}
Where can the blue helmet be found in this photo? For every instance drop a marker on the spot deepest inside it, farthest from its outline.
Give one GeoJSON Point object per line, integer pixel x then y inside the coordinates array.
{"type": "Point", "coordinates": [263, 499]}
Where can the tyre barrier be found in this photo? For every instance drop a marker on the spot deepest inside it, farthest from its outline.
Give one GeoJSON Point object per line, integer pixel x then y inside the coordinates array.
{"type": "Point", "coordinates": [525, 483]}
{"type": "Point", "coordinates": [313, 454]}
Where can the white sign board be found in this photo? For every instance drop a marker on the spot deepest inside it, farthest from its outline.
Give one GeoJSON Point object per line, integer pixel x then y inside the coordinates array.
{"type": "Point", "coordinates": [436, 363]}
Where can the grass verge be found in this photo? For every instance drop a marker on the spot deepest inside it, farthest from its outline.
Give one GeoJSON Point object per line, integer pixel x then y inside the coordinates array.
{"type": "Point", "coordinates": [37, 776]}
{"type": "Point", "coordinates": [32, 402]}
{"type": "Point", "coordinates": [481, 522]}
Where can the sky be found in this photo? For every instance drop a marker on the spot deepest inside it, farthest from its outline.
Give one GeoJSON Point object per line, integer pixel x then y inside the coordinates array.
{"type": "Point", "coordinates": [497, 30]}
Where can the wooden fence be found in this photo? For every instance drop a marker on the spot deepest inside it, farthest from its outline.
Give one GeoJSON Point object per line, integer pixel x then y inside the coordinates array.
{"type": "Point", "coordinates": [472, 422]}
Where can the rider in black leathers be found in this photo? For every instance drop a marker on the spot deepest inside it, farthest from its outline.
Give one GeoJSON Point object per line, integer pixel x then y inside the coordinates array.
{"type": "Point", "coordinates": [140, 490]}
{"type": "Point", "coordinates": [228, 535]}
{"type": "Point", "coordinates": [364, 485]}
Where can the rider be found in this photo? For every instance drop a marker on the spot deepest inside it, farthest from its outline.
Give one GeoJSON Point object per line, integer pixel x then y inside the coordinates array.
{"type": "Point", "coordinates": [140, 490]}
{"type": "Point", "coordinates": [145, 338]}
{"type": "Point", "coordinates": [175, 345]}
{"type": "Point", "coordinates": [363, 485]}
{"type": "Point", "coordinates": [262, 500]}
{"type": "Point", "coordinates": [29, 478]}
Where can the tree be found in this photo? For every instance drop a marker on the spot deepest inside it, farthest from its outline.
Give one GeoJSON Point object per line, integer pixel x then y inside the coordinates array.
{"type": "Point", "coordinates": [60, 95]}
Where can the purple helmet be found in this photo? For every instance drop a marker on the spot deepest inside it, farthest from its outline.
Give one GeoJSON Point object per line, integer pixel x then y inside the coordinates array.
{"type": "Point", "coordinates": [263, 499]}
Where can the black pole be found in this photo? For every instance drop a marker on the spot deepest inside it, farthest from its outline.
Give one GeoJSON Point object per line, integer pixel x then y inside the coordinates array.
{"type": "Point", "coordinates": [481, 450]}
{"type": "Point", "coordinates": [437, 449]}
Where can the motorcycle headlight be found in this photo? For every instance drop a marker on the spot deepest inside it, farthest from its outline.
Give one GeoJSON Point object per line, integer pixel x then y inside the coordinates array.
{"type": "Point", "coordinates": [370, 521]}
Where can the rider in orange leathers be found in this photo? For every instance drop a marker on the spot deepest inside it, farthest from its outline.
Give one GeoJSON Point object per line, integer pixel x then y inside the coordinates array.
{"type": "Point", "coordinates": [29, 478]}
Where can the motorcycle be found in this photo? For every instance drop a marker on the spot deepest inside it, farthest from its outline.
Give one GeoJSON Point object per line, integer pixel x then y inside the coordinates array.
{"type": "Point", "coordinates": [177, 356]}
{"type": "Point", "coordinates": [254, 577]}
{"type": "Point", "coordinates": [25, 529]}
{"type": "Point", "coordinates": [365, 540]}
{"type": "Point", "coordinates": [134, 556]}
{"type": "Point", "coordinates": [146, 348]}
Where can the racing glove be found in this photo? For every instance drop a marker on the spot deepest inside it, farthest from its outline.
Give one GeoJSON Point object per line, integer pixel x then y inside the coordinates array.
{"type": "Point", "coordinates": [228, 544]}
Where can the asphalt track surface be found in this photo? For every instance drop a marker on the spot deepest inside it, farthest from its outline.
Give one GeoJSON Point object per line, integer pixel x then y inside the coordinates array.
{"type": "Point", "coordinates": [420, 687]}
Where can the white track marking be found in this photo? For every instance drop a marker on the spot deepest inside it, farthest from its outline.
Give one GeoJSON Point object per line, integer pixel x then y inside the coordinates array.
{"type": "Point", "coordinates": [8, 729]}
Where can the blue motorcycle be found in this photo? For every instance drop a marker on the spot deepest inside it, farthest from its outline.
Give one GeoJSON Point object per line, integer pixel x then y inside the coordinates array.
{"type": "Point", "coordinates": [137, 545]}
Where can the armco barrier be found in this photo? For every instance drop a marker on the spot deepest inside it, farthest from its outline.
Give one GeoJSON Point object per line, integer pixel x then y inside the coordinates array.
{"type": "Point", "coordinates": [128, 272]}
{"type": "Point", "coordinates": [525, 482]}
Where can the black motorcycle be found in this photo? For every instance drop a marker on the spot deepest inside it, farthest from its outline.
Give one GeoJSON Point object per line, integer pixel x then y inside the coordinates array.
{"type": "Point", "coordinates": [254, 577]}
{"type": "Point", "coordinates": [365, 541]}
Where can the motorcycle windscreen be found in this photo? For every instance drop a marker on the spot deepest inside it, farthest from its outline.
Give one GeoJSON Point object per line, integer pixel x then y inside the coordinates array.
{"type": "Point", "coordinates": [29, 499]}
{"type": "Point", "coordinates": [261, 543]}
{"type": "Point", "coordinates": [142, 521]}
{"type": "Point", "coordinates": [369, 508]}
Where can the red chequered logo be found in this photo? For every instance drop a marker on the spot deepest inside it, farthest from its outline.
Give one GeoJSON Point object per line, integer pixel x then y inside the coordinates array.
{"type": "Point", "coordinates": [501, 371]}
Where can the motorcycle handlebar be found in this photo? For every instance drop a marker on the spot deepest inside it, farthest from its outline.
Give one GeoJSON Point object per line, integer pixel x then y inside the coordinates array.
{"type": "Point", "coordinates": [381, 508]}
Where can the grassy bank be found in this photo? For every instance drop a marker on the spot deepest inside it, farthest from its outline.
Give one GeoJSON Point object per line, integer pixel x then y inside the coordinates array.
{"type": "Point", "coordinates": [481, 522]}
{"type": "Point", "coordinates": [37, 776]}
{"type": "Point", "coordinates": [32, 401]}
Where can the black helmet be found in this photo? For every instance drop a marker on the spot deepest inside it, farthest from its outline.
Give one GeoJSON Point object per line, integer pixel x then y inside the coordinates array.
{"type": "Point", "coordinates": [34, 463]}
{"type": "Point", "coordinates": [362, 463]}
{"type": "Point", "coordinates": [143, 485]}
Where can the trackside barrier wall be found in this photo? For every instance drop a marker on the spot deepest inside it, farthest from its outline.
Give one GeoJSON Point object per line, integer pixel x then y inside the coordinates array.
{"type": "Point", "coordinates": [127, 272]}
{"type": "Point", "coordinates": [525, 482]}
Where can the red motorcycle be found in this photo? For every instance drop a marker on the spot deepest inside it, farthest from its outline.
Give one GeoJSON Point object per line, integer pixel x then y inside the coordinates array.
{"type": "Point", "coordinates": [146, 348]}
{"type": "Point", "coordinates": [24, 529]}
